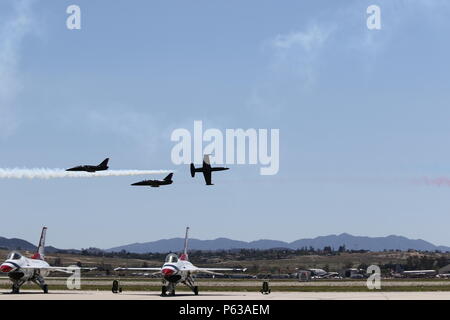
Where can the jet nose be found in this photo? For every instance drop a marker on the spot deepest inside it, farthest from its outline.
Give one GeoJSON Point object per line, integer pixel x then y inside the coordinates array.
{"type": "Point", "coordinates": [5, 268]}
{"type": "Point", "coordinates": [167, 272]}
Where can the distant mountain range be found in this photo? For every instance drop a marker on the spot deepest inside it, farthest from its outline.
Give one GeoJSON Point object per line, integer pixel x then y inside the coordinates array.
{"type": "Point", "coordinates": [176, 244]}
{"type": "Point", "coordinates": [351, 242]}
{"type": "Point", "coordinates": [14, 243]}
{"type": "Point", "coordinates": [19, 244]}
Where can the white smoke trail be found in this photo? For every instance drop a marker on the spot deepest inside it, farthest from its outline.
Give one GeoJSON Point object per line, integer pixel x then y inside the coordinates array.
{"type": "Point", "coordinates": [41, 173]}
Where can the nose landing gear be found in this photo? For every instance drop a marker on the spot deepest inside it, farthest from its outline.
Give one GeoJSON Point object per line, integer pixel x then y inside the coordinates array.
{"type": "Point", "coordinates": [168, 290]}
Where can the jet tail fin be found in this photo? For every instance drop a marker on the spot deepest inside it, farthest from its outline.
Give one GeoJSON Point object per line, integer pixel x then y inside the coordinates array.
{"type": "Point", "coordinates": [184, 256]}
{"type": "Point", "coordinates": [104, 164]}
{"type": "Point", "coordinates": [169, 177]}
{"type": "Point", "coordinates": [40, 254]}
{"type": "Point", "coordinates": [206, 159]}
{"type": "Point", "coordinates": [192, 170]}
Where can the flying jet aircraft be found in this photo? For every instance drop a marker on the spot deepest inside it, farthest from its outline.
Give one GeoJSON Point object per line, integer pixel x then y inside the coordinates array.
{"type": "Point", "coordinates": [178, 269]}
{"type": "Point", "coordinates": [206, 170]}
{"type": "Point", "coordinates": [21, 269]}
{"type": "Point", "coordinates": [155, 183]}
{"type": "Point", "coordinates": [101, 167]}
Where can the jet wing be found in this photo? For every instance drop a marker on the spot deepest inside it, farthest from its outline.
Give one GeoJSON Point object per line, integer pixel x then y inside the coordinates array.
{"type": "Point", "coordinates": [206, 160]}
{"type": "Point", "coordinates": [137, 269]}
{"type": "Point", "coordinates": [60, 269]}
{"type": "Point", "coordinates": [207, 176]}
{"type": "Point", "coordinates": [222, 269]}
{"type": "Point", "coordinates": [206, 163]}
{"type": "Point", "coordinates": [213, 270]}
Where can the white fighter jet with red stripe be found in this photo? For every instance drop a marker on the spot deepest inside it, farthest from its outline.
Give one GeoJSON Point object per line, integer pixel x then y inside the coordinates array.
{"type": "Point", "coordinates": [21, 269]}
{"type": "Point", "coordinates": [178, 269]}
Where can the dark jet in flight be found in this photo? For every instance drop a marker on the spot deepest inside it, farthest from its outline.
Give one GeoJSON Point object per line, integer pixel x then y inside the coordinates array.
{"type": "Point", "coordinates": [206, 169]}
{"type": "Point", "coordinates": [101, 167]}
{"type": "Point", "coordinates": [155, 183]}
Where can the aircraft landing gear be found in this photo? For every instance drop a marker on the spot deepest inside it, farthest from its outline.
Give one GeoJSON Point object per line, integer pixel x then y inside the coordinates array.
{"type": "Point", "coordinates": [168, 290]}
{"type": "Point", "coordinates": [15, 289]}
{"type": "Point", "coordinates": [39, 280]}
{"type": "Point", "coordinates": [16, 286]}
{"type": "Point", "coordinates": [196, 290]}
{"type": "Point", "coordinates": [191, 284]}
{"type": "Point", "coordinates": [164, 292]}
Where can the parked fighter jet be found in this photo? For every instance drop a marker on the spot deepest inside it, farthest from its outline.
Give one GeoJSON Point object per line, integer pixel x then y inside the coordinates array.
{"type": "Point", "coordinates": [101, 167]}
{"type": "Point", "coordinates": [206, 169]}
{"type": "Point", "coordinates": [155, 183]}
{"type": "Point", "coordinates": [178, 269]}
{"type": "Point", "coordinates": [21, 269]}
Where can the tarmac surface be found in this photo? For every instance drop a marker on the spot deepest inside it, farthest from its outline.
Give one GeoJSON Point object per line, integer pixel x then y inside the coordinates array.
{"type": "Point", "coordinates": [209, 295]}
{"type": "Point", "coordinates": [243, 283]}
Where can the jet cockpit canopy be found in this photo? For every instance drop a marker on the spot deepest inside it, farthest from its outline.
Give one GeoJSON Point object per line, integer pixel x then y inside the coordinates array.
{"type": "Point", "coordinates": [14, 256]}
{"type": "Point", "coordinates": [172, 258]}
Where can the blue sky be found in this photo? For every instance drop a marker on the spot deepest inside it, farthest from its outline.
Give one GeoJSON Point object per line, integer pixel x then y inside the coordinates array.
{"type": "Point", "coordinates": [360, 113]}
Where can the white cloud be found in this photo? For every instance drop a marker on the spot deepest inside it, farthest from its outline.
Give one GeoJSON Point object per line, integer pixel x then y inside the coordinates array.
{"type": "Point", "coordinates": [298, 57]}
{"type": "Point", "coordinates": [309, 40]}
{"type": "Point", "coordinates": [293, 68]}
{"type": "Point", "coordinates": [296, 53]}
{"type": "Point", "coordinates": [13, 28]}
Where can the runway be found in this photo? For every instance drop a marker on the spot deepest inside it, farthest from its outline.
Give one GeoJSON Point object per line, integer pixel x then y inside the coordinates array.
{"type": "Point", "coordinates": [210, 295]}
